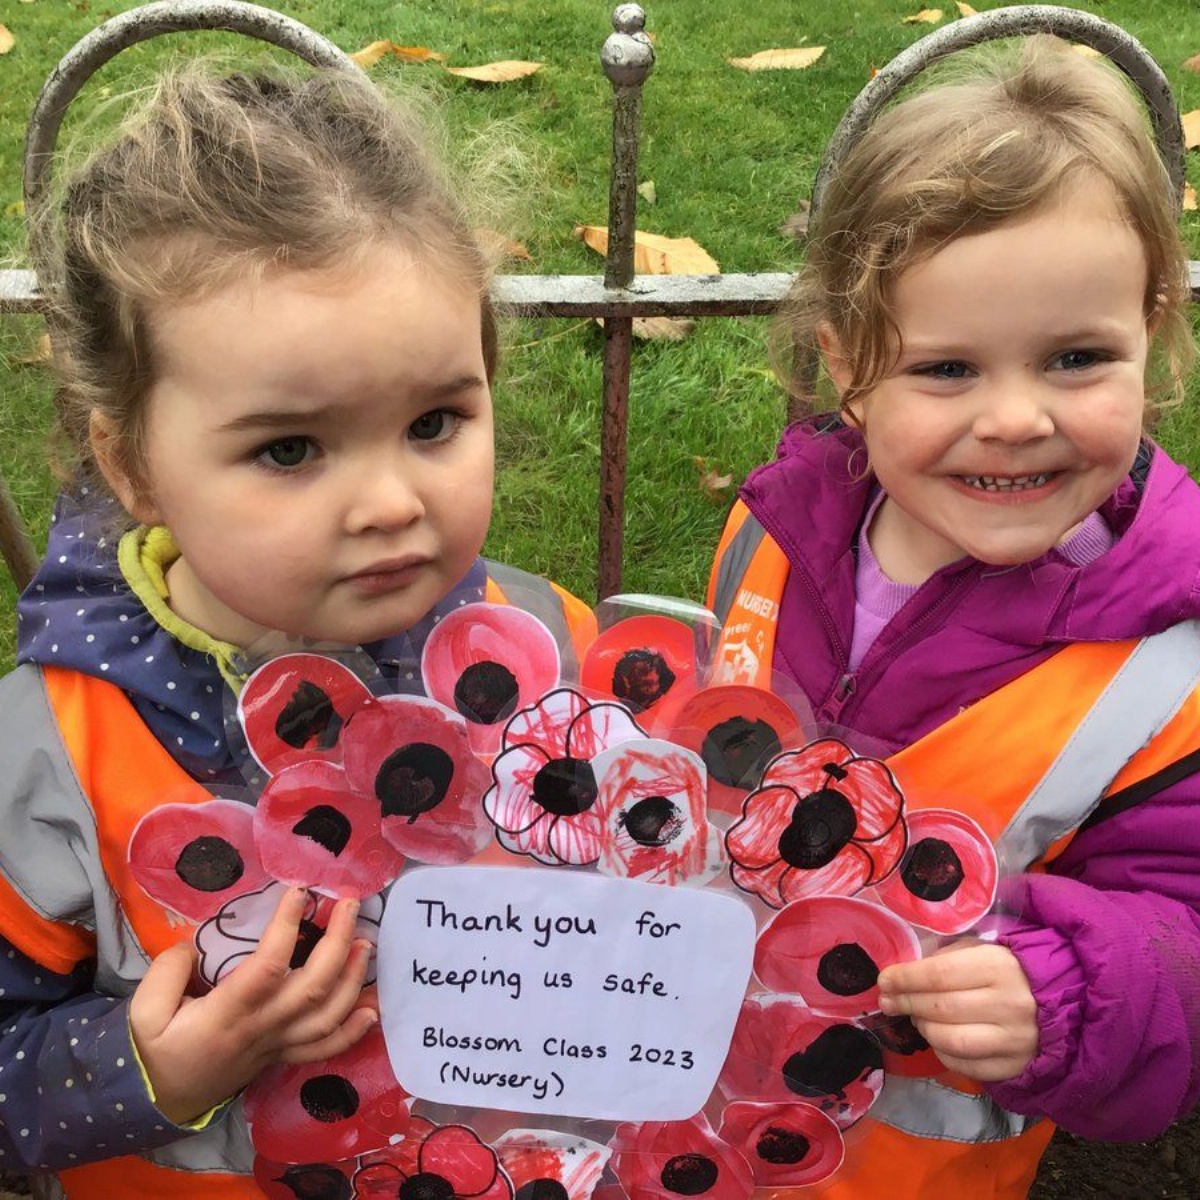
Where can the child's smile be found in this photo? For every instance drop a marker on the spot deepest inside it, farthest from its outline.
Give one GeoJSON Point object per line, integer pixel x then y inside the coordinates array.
{"type": "Point", "coordinates": [320, 445]}
{"type": "Point", "coordinates": [1015, 406]}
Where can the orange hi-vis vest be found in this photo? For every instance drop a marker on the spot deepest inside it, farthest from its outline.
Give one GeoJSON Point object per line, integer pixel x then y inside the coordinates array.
{"type": "Point", "coordinates": [1108, 716]}
{"type": "Point", "coordinates": [86, 769]}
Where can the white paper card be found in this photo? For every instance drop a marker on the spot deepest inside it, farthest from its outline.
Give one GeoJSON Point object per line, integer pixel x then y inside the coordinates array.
{"type": "Point", "coordinates": [550, 991]}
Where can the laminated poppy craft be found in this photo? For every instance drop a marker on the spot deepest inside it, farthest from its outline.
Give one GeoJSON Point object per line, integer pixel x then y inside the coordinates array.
{"type": "Point", "coordinates": [629, 925]}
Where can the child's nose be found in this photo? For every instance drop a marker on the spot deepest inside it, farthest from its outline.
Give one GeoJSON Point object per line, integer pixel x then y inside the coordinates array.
{"type": "Point", "coordinates": [1013, 411]}
{"type": "Point", "coordinates": [382, 495]}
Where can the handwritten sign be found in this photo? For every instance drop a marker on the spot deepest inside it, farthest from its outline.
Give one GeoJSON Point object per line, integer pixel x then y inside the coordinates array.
{"type": "Point", "coordinates": [546, 991]}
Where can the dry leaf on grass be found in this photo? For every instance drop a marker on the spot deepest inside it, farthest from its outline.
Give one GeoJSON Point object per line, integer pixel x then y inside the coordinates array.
{"type": "Point", "coordinates": [1191, 128]}
{"type": "Point", "coordinates": [656, 255]}
{"type": "Point", "coordinates": [41, 353]}
{"type": "Point", "coordinates": [368, 56]}
{"type": "Point", "coordinates": [496, 72]}
{"type": "Point", "coordinates": [779, 60]}
{"type": "Point", "coordinates": [713, 486]}
{"type": "Point", "coordinates": [796, 226]}
{"type": "Point", "coordinates": [1192, 64]}
{"type": "Point", "coordinates": [498, 247]}
{"type": "Point", "coordinates": [648, 191]}
{"type": "Point", "coordinates": [1189, 198]}
{"type": "Point", "coordinates": [927, 16]}
{"type": "Point", "coordinates": [662, 329]}
{"type": "Point", "coordinates": [7, 41]}
{"type": "Point", "coordinates": [965, 10]}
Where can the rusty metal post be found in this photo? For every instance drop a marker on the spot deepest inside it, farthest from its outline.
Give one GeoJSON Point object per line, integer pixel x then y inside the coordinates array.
{"type": "Point", "coordinates": [627, 59]}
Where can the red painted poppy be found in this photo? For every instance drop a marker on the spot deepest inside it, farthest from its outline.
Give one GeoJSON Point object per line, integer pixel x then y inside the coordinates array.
{"type": "Point", "coordinates": [653, 814]}
{"type": "Point", "coordinates": [413, 758]}
{"type": "Point", "coordinates": [227, 939]}
{"type": "Point", "coordinates": [192, 858]}
{"type": "Point", "coordinates": [824, 822]}
{"type": "Point", "coordinates": [660, 1160]}
{"type": "Point", "coordinates": [737, 730]}
{"type": "Point", "coordinates": [786, 1145]}
{"type": "Point", "coordinates": [313, 830]}
{"type": "Point", "coordinates": [442, 1162]}
{"type": "Point", "coordinates": [544, 1164]}
{"type": "Point", "coordinates": [304, 1181]}
{"type": "Point", "coordinates": [641, 660]}
{"type": "Point", "coordinates": [485, 661]}
{"type": "Point", "coordinates": [830, 950]}
{"type": "Point", "coordinates": [783, 1051]}
{"type": "Point", "coordinates": [292, 709]}
{"type": "Point", "coordinates": [946, 880]}
{"type": "Point", "coordinates": [330, 1110]}
{"type": "Point", "coordinates": [544, 796]}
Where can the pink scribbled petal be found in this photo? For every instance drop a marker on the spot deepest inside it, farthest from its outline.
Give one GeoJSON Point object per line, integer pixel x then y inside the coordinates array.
{"type": "Point", "coordinates": [546, 723]}
{"type": "Point", "coordinates": [763, 883]}
{"type": "Point", "coordinates": [600, 726]}
{"type": "Point", "coordinates": [754, 840]}
{"type": "Point", "coordinates": [844, 875]}
{"type": "Point", "coordinates": [456, 1154]}
{"type": "Point", "coordinates": [575, 840]}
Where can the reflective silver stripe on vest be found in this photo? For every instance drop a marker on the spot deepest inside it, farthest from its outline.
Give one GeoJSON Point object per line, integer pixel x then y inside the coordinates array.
{"type": "Point", "coordinates": [733, 565]}
{"type": "Point", "coordinates": [534, 594]}
{"type": "Point", "coordinates": [1139, 700]}
{"type": "Point", "coordinates": [50, 854]}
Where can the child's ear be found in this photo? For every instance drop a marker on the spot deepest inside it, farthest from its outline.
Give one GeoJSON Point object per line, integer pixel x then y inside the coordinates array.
{"type": "Point", "coordinates": [106, 449]}
{"type": "Point", "coordinates": [835, 360]}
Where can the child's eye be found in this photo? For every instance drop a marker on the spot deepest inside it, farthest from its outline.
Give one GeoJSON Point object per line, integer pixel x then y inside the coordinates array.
{"type": "Point", "coordinates": [434, 426]}
{"type": "Point", "coordinates": [944, 370]}
{"type": "Point", "coordinates": [1078, 360]}
{"type": "Point", "coordinates": [285, 453]}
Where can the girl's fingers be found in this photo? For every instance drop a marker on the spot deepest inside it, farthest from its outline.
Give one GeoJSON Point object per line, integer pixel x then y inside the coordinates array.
{"type": "Point", "coordinates": [278, 941]}
{"type": "Point", "coordinates": [327, 962]}
{"type": "Point", "coordinates": [360, 1022]}
{"type": "Point", "coordinates": [325, 1011]}
{"type": "Point", "coordinates": [162, 991]}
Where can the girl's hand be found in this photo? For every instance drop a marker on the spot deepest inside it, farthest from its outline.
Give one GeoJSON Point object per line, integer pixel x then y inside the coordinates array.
{"type": "Point", "coordinates": [199, 1051]}
{"type": "Point", "coordinates": [972, 1003]}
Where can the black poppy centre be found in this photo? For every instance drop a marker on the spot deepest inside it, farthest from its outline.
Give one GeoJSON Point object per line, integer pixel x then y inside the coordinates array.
{"type": "Point", "coordinates": [326, 826]}
{"type": "Point", "coordinates": [734, 750]}
{"type": "Point", "coordinates": [653, 821]}
{"type": "Point", "coordinates": [328, 1098]}
{"type": "Point", "coordinates": [688, 1174]}
{"type": "Point", "coordinates": [542, 1189]}
{"type": "Point", "coordinates": [641, 678]}
{"type": "Point", "coordinates": [486, 692]}
{"type": "Point", "coordinates": [426, 1186]}
{"type": "Point", "coordinates": [847, 969]}
{"type": "Point", "coordinates": [308, 718]}
{"type": "Point", "coordinates": [781, 1146]}
{"type": "Point", "coordinates": [565, 787]}
{"type": "Point", "coordinates": [209, 864]}
{"type": "Point", "coordinates": [822, 823]}
{"type": "Point", "coordinates": [931, 869]}
{"type": "Point", "coordinates": [413, 780]}
{"type": "Point", "coordinates": [834, 1059]}
{"type": "Point", "coordinates": [315, 1181]}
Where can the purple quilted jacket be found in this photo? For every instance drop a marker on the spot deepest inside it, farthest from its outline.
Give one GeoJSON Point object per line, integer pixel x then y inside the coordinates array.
{"type": "Point", "coordinates": [1110, 940]}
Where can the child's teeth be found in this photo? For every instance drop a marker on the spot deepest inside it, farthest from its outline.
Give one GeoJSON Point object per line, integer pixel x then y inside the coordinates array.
{"type": "Point", "coordinates": [1005, 483]}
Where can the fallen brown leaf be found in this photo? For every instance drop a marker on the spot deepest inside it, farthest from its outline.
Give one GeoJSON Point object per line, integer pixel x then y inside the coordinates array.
{"type": "Point", "coordinates": [499, 248]}
{"type": "Point", "coordinates": [713, 486]}
{"type": "Point", "coordinates": [1189, 198]}
{"type": "Point", "coordinates": [417, 54]}
{"type": "Point", "coordinates": [927, 16]}
{"type": "Point", "coordinates": [779, 60]}
{"type": "Point", "coordinates": [1191, 128]}
{"type": "Point", "coordinates": [41, 353]}
{"type": "Point", "coordinates": [796, 226]}
{"type": "Point", "coordinates": [368, 56]}
{"type": "Point", "coordinates": [965, 10]}
{"type": "Point", "coordinates": [496, 72]}
{"type": "Point", "coordinates": [656, 255]}
{"type": "Point", "coordinates": [7, 41]}
{"type": "Point", "coordinates": [1192, 64]}
{"type": "Point", "coordinates": [662, 329]}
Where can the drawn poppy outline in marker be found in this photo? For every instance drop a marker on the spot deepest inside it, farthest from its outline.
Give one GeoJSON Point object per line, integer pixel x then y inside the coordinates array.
{"type": "Point", "coordinates": [786, 1145]}
{"type": "Point", "coordinates": [946, 880]}
{"type": "Point", "coordinates": [641, 661]}
{"type": "Point", "coordinates": [661, 1160]}
{"type": "Point", "coordinates": [653, 814]}
{"type": "Point", "coordinates": [193, 858]}
{"type": "Point", "coordinates": [412, 756]}
{"type": "Point", "coordinates": [313, 830]}
{"type": "Point", "coordinates": [823, 822]}
{"type": "Point", "coordinates": [543, 798]}
{"type": "Point", "coordinates": [449, 1162]}
{"type": "Point", "coordinates": [737, 730]}
{"type": "Point", "coordinates": [292, 709]}
{"type": "Point", "coordinates": [782, 1050]}
{"type": "Point", "coordinates": [330, 1110]}
{"type": "Point", "coordinates": [544, 1164]}
{"type": "Point", "coordinates": [829, 950]}
{"type": "Point", "coordinates": [486, 661]}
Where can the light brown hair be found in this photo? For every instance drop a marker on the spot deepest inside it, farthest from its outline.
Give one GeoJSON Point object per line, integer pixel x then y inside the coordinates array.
{"type": "Point", "coordinates": [993, 135]}
{"type": "Point", "coordinates": [216, 179]}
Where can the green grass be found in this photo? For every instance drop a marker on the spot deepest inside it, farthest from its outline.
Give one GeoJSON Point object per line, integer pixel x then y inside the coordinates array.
{"type": "Point", "coordinates": [730, 154]}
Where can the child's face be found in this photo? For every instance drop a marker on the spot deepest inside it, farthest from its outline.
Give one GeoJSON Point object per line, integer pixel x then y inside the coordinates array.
{"type": "Point", "coordinates": [320, 445]}
{"type": "Point", "coordinates": [1015, 407]}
